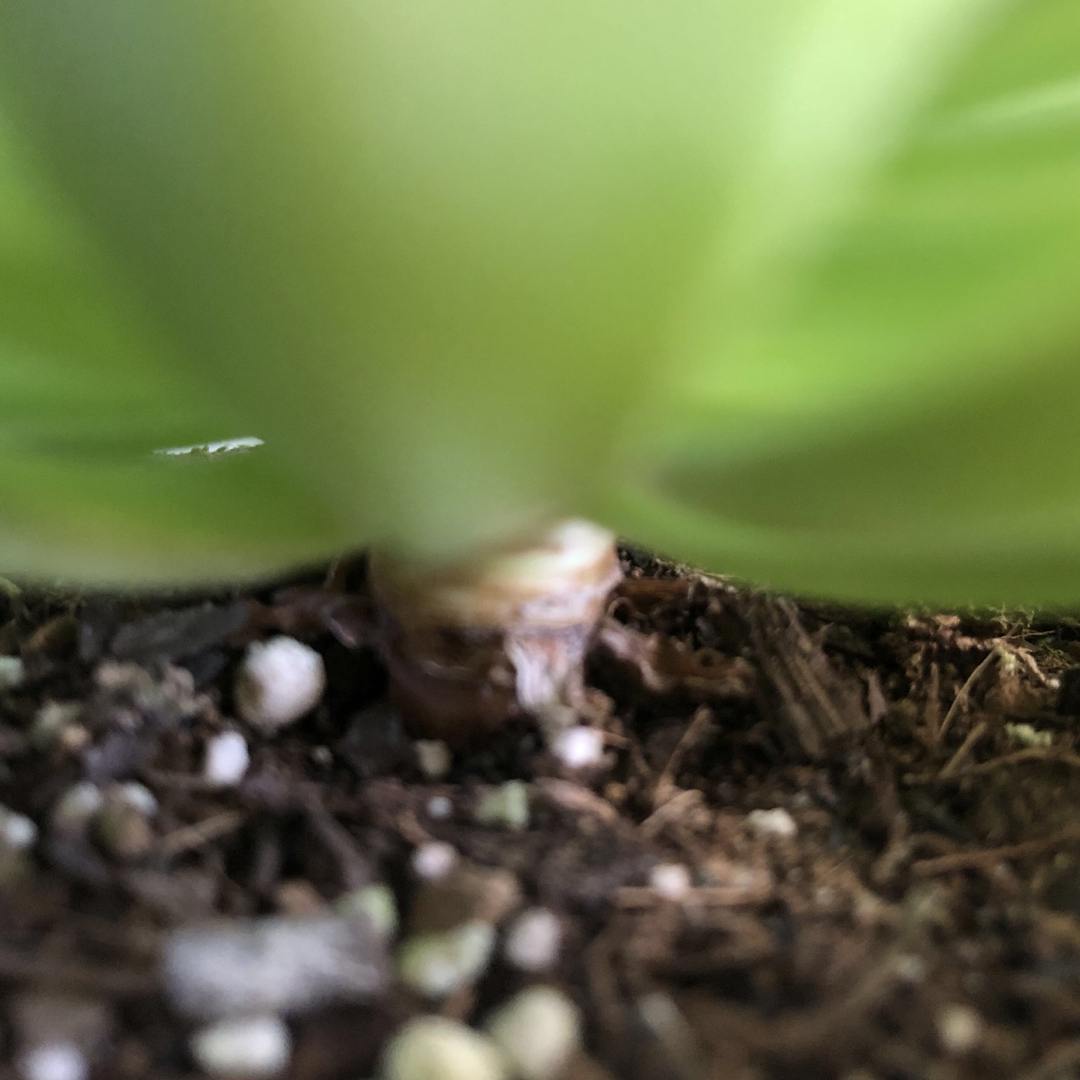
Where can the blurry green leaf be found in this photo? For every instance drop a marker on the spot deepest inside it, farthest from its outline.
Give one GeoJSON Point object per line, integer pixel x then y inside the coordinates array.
{"type": "Point", "coordinates": [902, 422]}
{"type": "Point", "coordinates": [87, 392]}
{"type": "Point", "coordinates": [785, 287]}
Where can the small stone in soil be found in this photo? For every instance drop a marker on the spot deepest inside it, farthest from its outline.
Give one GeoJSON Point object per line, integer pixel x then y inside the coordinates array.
{"type": "Point", "coordinates": [121, 827]}
{"type": "Point", "coordinates": [12, 672]}
{"type": "Point", "coordinates": [433, 758]}
{"type": "Point", "coordinates": [273, 965]}
{"type": "Point", "coordinates": [959, 1028]}
{"type": "Point", "coordinates": [533, 940]}
{"type": "Point", "coordinates": [439, 807]}
{"type": "Point", "coordinates": [433, 1048]}
{"type": "Point", "coordinates": [17, 831]}
{"type": "Point", "coordinates": [775, 822]}
{"type": "Point", "coordinates": [507, 805]}
{"type": "Point", "coordinates": [57, 1034]}
{"type": "Point", "coordinates": [74, 809]}
{"type": "Point", "coordinates": [438, 964]}
{"type": "Point", "coordinates": [138, 797]}
{"type": "Point", "coordinates": [376, 903]}
{"type": "Point", "coordinates": [227, 759]}
{"type": "Point", "coordinates": [251, 1046]}
{"type": "Point", "coordinates": [278, 682]}
{"type": "Point", "coordinates": [538, 1030]}
{"type": "Point", "coordinates": [52, 720]}
{"type": "Point", "coordinates": [579, 747]}
{"type": "Point", "coordinates": [670, 880]}
{"type": "Point", "coordinates": [53, 1061]}
{"type": "Point", "coordinates": [434, 860]}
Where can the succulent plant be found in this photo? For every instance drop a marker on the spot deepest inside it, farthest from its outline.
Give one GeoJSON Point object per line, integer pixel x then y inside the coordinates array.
{"type": "Point", "coordinates": [786, 288]}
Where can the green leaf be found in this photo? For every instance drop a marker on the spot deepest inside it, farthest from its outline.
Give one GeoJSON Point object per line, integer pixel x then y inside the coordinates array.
{"type": "Point", "coordinates": [88, 391]}
{"type": "Point", "coordinates": [898, 419]}
{"type": "Point", "coordinates": [784, 287]}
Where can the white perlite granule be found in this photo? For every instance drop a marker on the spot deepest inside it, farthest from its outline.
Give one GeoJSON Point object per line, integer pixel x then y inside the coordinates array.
{"type": "Point", "coordinates": [17, 831]}
{"type": "Point", "coordinates": [433, 757]}
{"type": "Point", "coordinates": [433, 1048]}
{"type": "Point", "coordinates": [278, 682]}
{"type": "Point", "coordinates": [251, 1046]}
{"type": "Point", "coordinates": [670, 880]}
{"type": "Point", "coordinates": [53, 1061]}
{"type": "Point", "coordinates": [579, 747]}
{"type": "Point", "coordinates": [272, 966]}
{"type": "Point", "coordinates": [775, 822]}
{"type": "Point", "coordinates": [438, 964]}
{"type": "Point", "coordinates": [227, 759]}
{"type": "Point", "coordinates": [533, 940]}
{"type": "Point", "coordinates": [959, 1028]}
{"type": "Point", "coordinates": [434, 860]}
{"type": "Point", "coordinates": [537, 1030]}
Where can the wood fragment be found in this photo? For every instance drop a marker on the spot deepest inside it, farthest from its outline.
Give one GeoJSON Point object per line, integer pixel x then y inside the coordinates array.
{"type": "Point", "coordinates": [191, 837]}
{"type": "Point", "coordinates": [961, 755]}
{"type": "Point", "coordinates": [963, 695]}
{"type": "Point", "coordinates": [987, 857]}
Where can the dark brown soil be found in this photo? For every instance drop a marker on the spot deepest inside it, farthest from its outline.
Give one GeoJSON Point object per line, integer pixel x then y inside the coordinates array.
{"type": "Point", "coordinates": [911, 909]}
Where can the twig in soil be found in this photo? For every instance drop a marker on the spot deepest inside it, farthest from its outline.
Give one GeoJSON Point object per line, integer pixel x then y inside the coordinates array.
{"type": "Point", "coordinates": [973, 737]}
{"type": "Point", "coordinates": [987, 857]}
{"type": "Point", "coordinates": [963, 695]}
{"type": "Point", "coordinates": [1058, 925]}
{"type": "Point", "coordinates": [674, 809]}
{"type": "Point", "coordinates": [666, 788]}
{"type": "Point", "coordinates": [1018, 757]}
{"type": "Point", "coordinates": [356, 871]}
{"type": "Point", "coordinates": [47, 971]}
{"type": "Point", "coordinates": [191, 837]}
{"type": "Point", "coordinates": [756, 892]}
{"type": "Point", "coordinates": [818, 703]}
{"type": "Point", "coordinates": [570, 796]}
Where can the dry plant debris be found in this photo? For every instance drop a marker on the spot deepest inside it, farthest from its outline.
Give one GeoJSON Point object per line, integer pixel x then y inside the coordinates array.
{"type": "Point", "coordinates": [805, 842]}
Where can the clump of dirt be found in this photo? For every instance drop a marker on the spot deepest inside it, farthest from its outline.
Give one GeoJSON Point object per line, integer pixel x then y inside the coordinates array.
{"type": "Point", "coordinates": [808, 842]}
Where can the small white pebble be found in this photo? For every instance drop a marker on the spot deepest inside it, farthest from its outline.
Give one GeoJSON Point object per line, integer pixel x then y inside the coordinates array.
{"type": "Point", "coordinates": [533, 940]}
{"type": "Point", "coordinates": [507, 805]}
{"type": "Point", "coordinates": [434, 1048]}
{"type": "Point", "coordinates": [12, 672]}
{"type": "Point", "coordinates": [227, 759]}
{"type": "Point", "coordinates": [1054, 683]}
{"type": "Point", "coordinates": [52, 720]}
{"type": "Point", "coordinates": [17, 831]}
{"type": "Point", "coordinates": [74, 809]}
{"type": "Point", "coordinates": [433, 757]}
{"type": "Point", "coordinates": [53, 1061]}
{"type": "Point", "coordinates": [959, 1028]}
{"type": "Point", "coordinates": [670, 880]}
{"type": "Point", "coordinates": [278, 682]}
{"type": "Point", "coordinates": [1029, 736]}
{"type": "Point", "coordinates": [138, 797]}
{"type": "Point", "coordinates": [322, 756]}
{"type": "Point", "coordinates": [375, 902]}
{"type": "Point", "coordinates": [438, 964]}
{"type": "Point", "coordinates": [910, 968]}
{"type": "Point", "coordinates": [439, 807]}
{"type": "Point", "coordinates": [434, 861]}
{"type": "Point", "coordinates": [579, 747]}
{"type": "Point", "coordinates": [250, 1046]}
{"type": "Point", "coordinates": [775, 822]}
{"type": "Point", "coordinates": [537, 1030]}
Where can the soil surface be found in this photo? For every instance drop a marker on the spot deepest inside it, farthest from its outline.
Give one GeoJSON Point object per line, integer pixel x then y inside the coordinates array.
{"type": "Point", "coordinates": [818, 843]}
